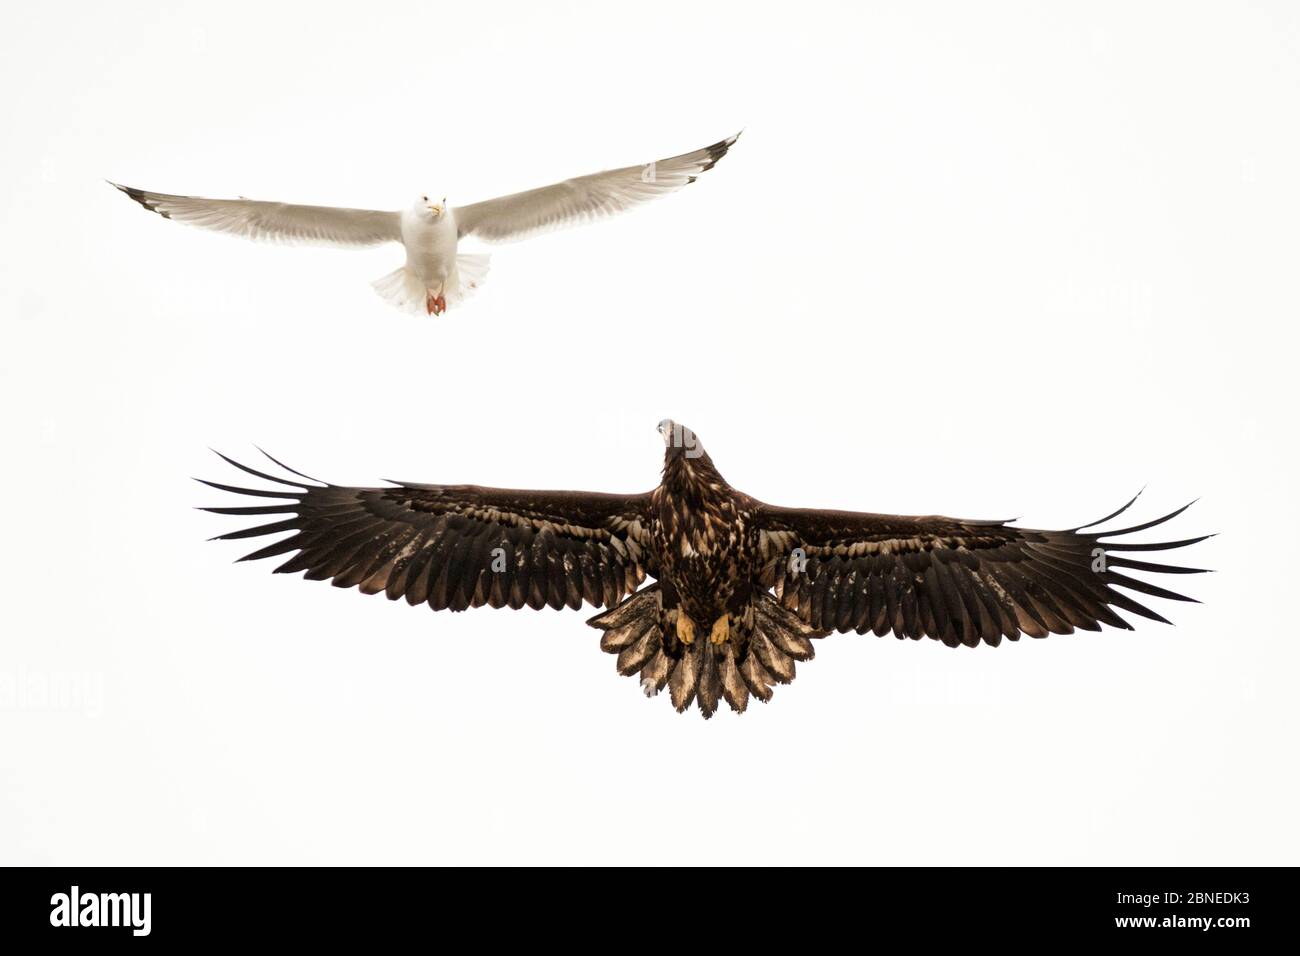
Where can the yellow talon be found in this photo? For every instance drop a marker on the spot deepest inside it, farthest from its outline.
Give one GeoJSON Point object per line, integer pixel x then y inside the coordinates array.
{"type": "Point", "coordinates": [721, 630]}
{"type": "Point", "coordinates": [685, 628]}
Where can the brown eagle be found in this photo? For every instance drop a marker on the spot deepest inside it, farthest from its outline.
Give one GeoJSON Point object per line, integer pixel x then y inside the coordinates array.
{"type": "Point", "coordinates": [741, 587]}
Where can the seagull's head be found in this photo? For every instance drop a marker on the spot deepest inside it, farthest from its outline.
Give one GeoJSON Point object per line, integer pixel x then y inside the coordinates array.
{"type": "Point", "coordinates": [430, 208]}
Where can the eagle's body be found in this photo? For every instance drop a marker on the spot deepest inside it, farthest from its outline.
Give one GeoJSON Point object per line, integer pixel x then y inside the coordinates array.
{"type": "Point", "coordinates": [742, 587]}
{"type": "Point", "coordinates": [705, 541]}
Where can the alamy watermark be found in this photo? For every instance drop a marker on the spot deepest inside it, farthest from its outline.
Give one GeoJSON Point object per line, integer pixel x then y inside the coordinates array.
{"type": "Point", "coordinates": [76, 908]}
{"type": "Point", "coordinates": [677, 435]}
{"type": "Point", "coordinates": [71, 691]}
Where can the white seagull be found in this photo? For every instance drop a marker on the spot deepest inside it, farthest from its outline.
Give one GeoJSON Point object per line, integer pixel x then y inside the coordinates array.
{"type": "Point", "coordinates": [436, 273]}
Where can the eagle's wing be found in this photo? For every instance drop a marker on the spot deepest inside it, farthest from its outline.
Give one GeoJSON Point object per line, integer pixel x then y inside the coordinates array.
{"type": "Point", "coordinates": [956, 581]}
{"type": "Point", "coordinates": [584, 198]}
{"type": "Point", "coordinates": [456, 546]}
{"type": "Point", "coordinates": [276, 221]}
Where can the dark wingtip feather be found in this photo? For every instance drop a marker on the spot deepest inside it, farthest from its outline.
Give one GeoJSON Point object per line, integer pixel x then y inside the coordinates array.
{"type": "Point", "coordinates": [1154, 567]}
{"type": "Point", "coordinates": [290, 543]}
{"type": "Point", "coordinates": [294, 471]}
{"type": "Point", "coordinates": [274, 527]}
{"type": "Point", "coordinates": [255, 492]}
{"type": "Point", "coordinates": [1133, 584]}
{"type": "Point", "coordinates": [139, 196]}
{"type": "Point", "coordinates": [1123, 601]}
{"type": "Point", "coordinates": [1114, 514]}
{"type": "Point", "coordinates": [1156, 545]}
{"type": "Point", "coordinates": [261, 474]}
{"type": "Point", "coordinates": [251, 509]}
{"type": "Point", "coordinates": [717, 151]}
{"type": "Point", "coordinates": [1148, 524]}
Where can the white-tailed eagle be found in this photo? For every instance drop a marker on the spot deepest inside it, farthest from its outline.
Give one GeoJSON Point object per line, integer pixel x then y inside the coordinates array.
{"type": "Point", "coordinates": [741, 588]}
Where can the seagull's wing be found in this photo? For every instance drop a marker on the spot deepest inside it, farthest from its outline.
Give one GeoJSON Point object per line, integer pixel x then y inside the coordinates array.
{"type": "Point", "coordinates": [275, 221]}
{"type": "Point", "coordinates": [584, 198]}
{"type": "Point", "coordinates": [960, 582]}
{"type": "Point", "coordinates": [456, 546]}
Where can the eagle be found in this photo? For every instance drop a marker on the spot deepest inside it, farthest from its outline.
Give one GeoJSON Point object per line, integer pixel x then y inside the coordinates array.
{"type": "Point", "coordinates": [740, 588]}
{"type": "Point", "coordinates": [436, 273]}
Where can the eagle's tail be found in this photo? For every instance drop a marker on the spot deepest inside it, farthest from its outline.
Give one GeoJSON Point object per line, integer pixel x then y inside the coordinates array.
{"type": "Point", "coordinates": [764, 642]}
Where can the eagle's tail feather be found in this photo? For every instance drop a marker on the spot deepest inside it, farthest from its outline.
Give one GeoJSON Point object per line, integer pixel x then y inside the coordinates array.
{"type": "Point", "coordinates": [765, 641]}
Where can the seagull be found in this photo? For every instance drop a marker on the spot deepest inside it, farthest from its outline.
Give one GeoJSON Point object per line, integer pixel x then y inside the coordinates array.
{"type": "Point", "coordinates": [436, 273]}
{"type": "Point", "coordinates": [741, 587]}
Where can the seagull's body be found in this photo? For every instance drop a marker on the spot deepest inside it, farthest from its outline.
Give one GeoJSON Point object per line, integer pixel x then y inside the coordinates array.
{"type": "Point", "coordinates": [436, 273]}
{"type": "Point", "coordinates": [431, 254]}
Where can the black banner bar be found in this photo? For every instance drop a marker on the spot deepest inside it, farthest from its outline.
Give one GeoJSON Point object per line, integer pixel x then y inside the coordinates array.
{"type": "Point", "coordinates": [1171, 906]}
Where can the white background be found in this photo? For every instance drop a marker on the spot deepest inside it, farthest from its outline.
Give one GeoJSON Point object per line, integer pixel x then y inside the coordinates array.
{"type": "Point", "coordinates": [1017, 260]}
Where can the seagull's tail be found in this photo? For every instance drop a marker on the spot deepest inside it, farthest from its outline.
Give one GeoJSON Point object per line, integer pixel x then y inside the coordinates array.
{"type": "Point", "coordinates": [406, 291]}
{"type": "Point", "coordinates": [471, 272]}
{"type": "Point", "coordinates": [403, 290]}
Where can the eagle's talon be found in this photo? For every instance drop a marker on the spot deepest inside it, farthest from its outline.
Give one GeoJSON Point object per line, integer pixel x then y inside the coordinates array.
{"type": "Point", "coordinates": [685, 628]}
{"type": "Point", "coordinates": [721, 630]}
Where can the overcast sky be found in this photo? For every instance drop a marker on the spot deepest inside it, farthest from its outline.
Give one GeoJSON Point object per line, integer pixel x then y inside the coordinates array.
{"type": "Point", "coordinates": [1013, 261]}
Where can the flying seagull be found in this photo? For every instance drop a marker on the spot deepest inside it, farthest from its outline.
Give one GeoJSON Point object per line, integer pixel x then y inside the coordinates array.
{"type": "Point", "coordinates": [741, 587]}
{"type": "Point", "coordinates": [436, 274]}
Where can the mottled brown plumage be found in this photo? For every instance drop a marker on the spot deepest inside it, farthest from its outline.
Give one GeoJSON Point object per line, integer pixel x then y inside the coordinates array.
{"type": "Point", "coordinates": [742, 588]}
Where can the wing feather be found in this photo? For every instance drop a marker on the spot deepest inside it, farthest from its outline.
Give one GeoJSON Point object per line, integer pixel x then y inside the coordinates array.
{"type": "Point", "coordinates": [456, 546]}
{"type": "Point", "coordinates": [584, 198]}
{"type": "Point", "coordinates": [956, 581]}
{"type": "Point", "coordinates": [275, 221]}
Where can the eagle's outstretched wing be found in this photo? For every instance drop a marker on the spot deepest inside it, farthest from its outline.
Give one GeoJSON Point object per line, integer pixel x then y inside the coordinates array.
{"type": "Point", "coordinates": [957, 581]}
{"type": "Point", "coordinates": [275, 221]}
{"type": "Point", "coordinates": [455, 546]}
{"type": "Point", "coordinates": [584, 198]}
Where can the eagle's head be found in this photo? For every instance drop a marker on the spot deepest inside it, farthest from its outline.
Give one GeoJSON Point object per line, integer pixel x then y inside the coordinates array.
{"type": "Point", "coordinates": [679, 441]}
{"type": "Point", "coordinates": [686, 464]}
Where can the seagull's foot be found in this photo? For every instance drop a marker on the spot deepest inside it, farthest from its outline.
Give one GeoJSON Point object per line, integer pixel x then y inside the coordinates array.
{"type": "Point", "coordinates": [685, 628]}
{"type": "Point", "coordinates": [441, 304]}
{"type": "Point", "coordinates": [721, 630]}
{"type": "Point", "coordinates": [434, 304]}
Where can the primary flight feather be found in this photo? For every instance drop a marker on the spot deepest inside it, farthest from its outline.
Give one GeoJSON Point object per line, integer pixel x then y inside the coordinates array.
{"type": "Point", "coordinates": [742, 587]}
{"type": "Point", "coordinates": [436, 274]}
